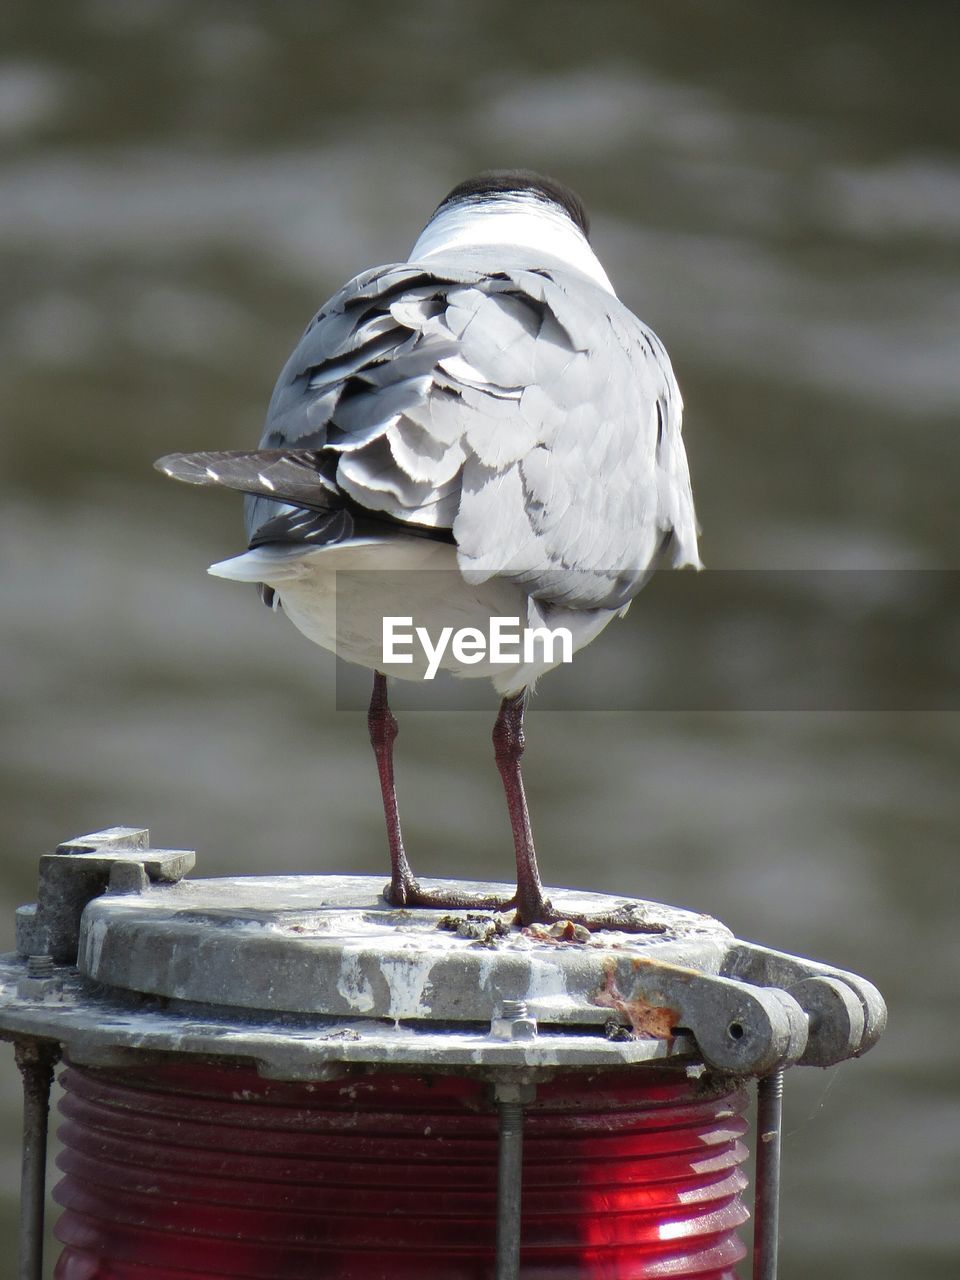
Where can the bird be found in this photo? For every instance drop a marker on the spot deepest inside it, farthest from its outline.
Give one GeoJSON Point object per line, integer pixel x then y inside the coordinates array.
{"type": "Point", "coordinates": [481, 431]}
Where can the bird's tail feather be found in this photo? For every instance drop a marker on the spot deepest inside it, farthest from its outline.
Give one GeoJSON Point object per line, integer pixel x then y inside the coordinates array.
{"type": "Point", "coordinates": [263, 564]}
{"type": "Point", "coordinates": [285, 475]}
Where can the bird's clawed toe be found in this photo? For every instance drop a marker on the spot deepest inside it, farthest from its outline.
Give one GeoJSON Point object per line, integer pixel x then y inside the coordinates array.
{"type": "Point", "coordinates": [409, 893]}
{"type": "Point", "coordinates": [401, 893]}
{"type": "Point", "coordinates": [623, 920]}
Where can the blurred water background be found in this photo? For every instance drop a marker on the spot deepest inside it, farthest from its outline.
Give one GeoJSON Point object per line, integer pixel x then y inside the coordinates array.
{"type": "Point", "coordinates": [776, 190]}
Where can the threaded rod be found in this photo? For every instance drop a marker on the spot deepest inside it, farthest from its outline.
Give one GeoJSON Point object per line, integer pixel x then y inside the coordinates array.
{"type": "Point", "coordinates": [36, 1059]}
{"type": "Point", "coordinates": [766, 1232]}
{"type": "Point", "coordinates": [509, 1178]}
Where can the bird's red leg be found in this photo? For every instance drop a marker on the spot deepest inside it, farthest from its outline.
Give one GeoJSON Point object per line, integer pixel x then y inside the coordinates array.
{"type": "Point", "coordinates": [404, 889]}
{"type": "Point", "coordinates": [383, 731]}
{"type": "Point", "coordinates": [508, 742]}
{"type": "Point", "coordinates": [532, 906]}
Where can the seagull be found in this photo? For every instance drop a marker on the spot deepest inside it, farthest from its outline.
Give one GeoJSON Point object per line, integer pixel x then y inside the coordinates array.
{"type": "Point", "coordinates": [482, 431]}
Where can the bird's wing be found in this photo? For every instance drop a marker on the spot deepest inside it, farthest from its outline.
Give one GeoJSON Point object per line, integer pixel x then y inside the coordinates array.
{"type": "Point", "coordinates": [525, 409]}
{"type": "Point", "coordinates": [577, 481]}
{"type": "Point", "coordinates": [366, 370]}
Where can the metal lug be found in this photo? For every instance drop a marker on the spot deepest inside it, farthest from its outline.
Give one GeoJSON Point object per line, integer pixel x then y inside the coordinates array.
{"type": "Point", "coordinates": [81, 870]}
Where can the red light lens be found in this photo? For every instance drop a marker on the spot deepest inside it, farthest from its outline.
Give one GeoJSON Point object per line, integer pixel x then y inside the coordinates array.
{"type": "Point", "coordinates": [208, 1170]}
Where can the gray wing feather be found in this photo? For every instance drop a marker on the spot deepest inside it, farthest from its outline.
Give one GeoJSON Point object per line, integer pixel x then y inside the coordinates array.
{"type": "Point", "coordinates": [525, 408]}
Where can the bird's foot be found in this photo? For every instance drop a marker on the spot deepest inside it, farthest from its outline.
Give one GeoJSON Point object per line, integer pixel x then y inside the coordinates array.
{"type": "Point", "coordinates": [532, 908]}
{"type": "Point", "coordinates": [625, 919]}
{"type": "Point", "coordinates": [408, 892]}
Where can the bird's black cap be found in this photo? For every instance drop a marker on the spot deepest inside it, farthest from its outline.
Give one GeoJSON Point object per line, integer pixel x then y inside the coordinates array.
{"type": "Point", "coordinates": [508, 182]}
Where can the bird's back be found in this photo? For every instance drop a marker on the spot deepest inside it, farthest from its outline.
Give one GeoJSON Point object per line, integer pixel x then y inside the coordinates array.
{"type": "Point", "coordinates": [511, 404]}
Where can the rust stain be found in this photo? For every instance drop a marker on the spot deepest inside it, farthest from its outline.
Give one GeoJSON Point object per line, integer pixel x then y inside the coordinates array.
{"type": "Point", "coordinates": [646, 1020]}
{"type": "Point", "coordinates": [561, 931]}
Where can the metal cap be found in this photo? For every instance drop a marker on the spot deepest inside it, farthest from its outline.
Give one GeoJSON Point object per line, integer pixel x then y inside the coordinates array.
{"type": "Point", "coordinates": [330, 945]}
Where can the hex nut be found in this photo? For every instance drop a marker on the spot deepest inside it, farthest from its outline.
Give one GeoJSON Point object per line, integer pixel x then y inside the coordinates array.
{"type": "Point", "coordinates": [40, 989]}
{"type": "Point", "coordinates": [513, 1028]}
{"type": "Point", "coordinates": [515, 1091]}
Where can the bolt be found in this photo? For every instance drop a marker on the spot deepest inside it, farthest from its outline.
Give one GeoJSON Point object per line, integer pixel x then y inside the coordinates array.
{"type": "Point", "coordinates": [513, 1009]}
{"type": "Point", "coordinates": [40, 982]}
{"type": "Point", "coordinates": [513, 1022]}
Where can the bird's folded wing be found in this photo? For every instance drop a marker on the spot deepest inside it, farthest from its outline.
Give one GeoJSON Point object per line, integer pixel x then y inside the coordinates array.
{"type": "Point", "coordinates": [527, 410]}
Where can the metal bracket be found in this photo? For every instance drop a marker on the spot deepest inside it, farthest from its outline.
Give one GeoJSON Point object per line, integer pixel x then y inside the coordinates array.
{"type": "Point", "coordinates": [765, 1010]}
{"type": "Point", "coordinates": [846, 1013]}
{"type": "Point", "coordinates": [118, 859]}
{"type": "Point", "coordinates": [740, 1029]}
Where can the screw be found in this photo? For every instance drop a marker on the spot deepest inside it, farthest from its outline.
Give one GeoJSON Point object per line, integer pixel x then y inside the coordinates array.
{"type": "Point", "coordinates": [39, 966]}
{"type": "Point", "coordinates": [511, 1010]}
{"type": "Point", "coordinates": [513, 1022]}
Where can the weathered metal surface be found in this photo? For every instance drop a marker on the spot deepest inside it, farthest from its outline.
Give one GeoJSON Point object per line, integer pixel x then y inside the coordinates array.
{"type": "Point", "coordinates": [308, 974]}
{"type": "Point", "coordinates": [330, 944]}
{"type": "Point", "coordinates": [100, 1027]}
{"type": "Point", "coordinates": [748, 962]}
